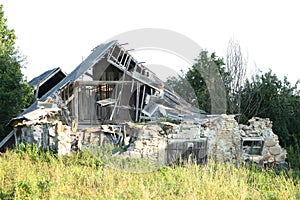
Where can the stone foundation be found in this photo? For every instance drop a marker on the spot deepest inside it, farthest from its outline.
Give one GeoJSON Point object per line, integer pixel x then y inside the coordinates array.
{"type": "Point", "coordinates": [220, 138]}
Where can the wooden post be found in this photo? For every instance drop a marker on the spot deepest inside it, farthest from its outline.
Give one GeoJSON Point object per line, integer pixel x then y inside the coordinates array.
{"type": "Point", "coordinates": [75, 105]}
{"type": "Point", "coordinates": [91, 106]}
{"type": "Point", "coordinates": [142, 103]}
{"type": "Point", "coordinates": [132, 86]}
{"type": "Point", "coordinates": [137, 101]}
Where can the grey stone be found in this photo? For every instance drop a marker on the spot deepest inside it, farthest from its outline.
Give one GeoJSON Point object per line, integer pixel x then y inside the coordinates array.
{"type": "Point", "coordinates": [275, 150]}
{"type": "Point", "coordinates": [270, 142]}
{"type": "Point", "coordinates": [242, 133]}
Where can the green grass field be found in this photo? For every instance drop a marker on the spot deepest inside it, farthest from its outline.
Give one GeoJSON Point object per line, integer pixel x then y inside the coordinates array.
{"type": "Point", "coordinates": [33, 174]}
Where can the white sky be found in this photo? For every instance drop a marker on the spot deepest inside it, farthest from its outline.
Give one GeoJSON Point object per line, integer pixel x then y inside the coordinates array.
{"type": "Point", "coordinates": [59, 33]}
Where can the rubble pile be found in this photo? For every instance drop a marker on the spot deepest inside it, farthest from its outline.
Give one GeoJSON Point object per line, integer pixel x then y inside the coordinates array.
{"type": "Point", "coordinates": [94, 137]}
{"type": "Point", "coordinates": [145, 141]}
{"type": "Point", "coordinates": [226, 139]}
{"type": "Point", "coordinates": [219, 137]}
{"type": "Point", "coordinates": [186, 130]}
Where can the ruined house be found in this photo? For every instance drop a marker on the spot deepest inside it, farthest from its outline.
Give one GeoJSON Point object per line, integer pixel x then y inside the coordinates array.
{"type": "Point", "coordinates": [111, 97]}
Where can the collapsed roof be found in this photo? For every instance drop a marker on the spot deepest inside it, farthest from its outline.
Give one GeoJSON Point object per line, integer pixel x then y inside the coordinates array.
{"type": "Point", "coordinates": [110, 86]}
{"type": "Point", "coordinates": [46, 81]}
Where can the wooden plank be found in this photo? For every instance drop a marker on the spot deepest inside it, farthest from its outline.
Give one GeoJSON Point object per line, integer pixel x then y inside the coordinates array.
{"type": "Point", "coordinates": [69, 100]}
{"type": "Point", "coordinates": [75, 105]}
{"type": "Point", "coordinates": [132, 86]}
{"type": "Point", "coordinates": [137, 101]}
{"type": "Point", "coordinates": [142, 103]}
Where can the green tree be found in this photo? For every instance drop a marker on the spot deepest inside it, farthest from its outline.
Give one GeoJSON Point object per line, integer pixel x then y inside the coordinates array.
{"type": "Point", "coordinates": [267, 96]}
{"type": "Point", "coordinates": [15, 93]}
{"type": "Point", "coordinates": [203, 84]}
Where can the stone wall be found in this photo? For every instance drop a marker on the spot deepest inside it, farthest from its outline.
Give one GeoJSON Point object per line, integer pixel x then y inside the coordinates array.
{"type": "Point", "coordinates": [224, 141]}
{"type": "Point", "coordinates": [219, 137]}
{"type": "Point", "coordinates": [53, 135]}
{"type": "Point", "coordinates": [225, 138]}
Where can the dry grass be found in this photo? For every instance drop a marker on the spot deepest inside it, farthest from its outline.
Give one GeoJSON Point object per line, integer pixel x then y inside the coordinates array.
{"type": "Point", "coordinates": [32, 174]}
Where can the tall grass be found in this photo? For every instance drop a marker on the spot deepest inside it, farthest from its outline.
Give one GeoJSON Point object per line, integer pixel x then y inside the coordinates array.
{"type": "Point", "coordinates": [29, 173]}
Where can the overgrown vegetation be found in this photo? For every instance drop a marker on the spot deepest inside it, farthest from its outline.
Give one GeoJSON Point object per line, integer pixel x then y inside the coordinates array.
{"type": "Point", "coordinates": [29, 173]}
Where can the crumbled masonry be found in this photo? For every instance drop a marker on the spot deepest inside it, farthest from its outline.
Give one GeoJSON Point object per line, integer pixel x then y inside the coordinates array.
{"type": "Point", "coordinates": [111, 98]}
{"type": "Point", "coordinates": [220, 137]}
